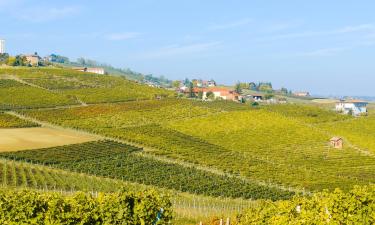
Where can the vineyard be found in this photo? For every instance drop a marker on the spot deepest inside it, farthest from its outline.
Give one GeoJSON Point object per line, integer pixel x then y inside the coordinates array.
{"type": "Point", "coordinates": [359, 131]}
{"type": "Point", "coordinates": [26, 175]}
{"type": "Point", "coordinates": [31, 207]}
{"type": "Point", "coordinates": [208, 150]}
{"type": "Point", "coordinates": [338, 207]}
{"type": "Point", "coordinates": [23, 175]}
{"type": "Point", "coordinates": [14, 95]}
{"type": "Point", "coordinates": [8, 121]}
{"type": "Point", "coordinates": [241, 141]}
{"type": "Point", "coordinates": [115, 160]}
{"type": "Point", "coordinates": [90, 88]}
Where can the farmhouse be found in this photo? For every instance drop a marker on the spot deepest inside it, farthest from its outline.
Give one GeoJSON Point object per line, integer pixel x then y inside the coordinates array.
{"type": "Point", "coordinates": [221, 93]}
{"type": "Point", "coordinates": [33, 59]}
{"type": "Point", "coordinates": [96, 70]}
{"type": "Point", "coordinates": [302, 94]}
{"type": "Point", "coordinates": [352, 107]}
{"type": "Point", "coordinates": [337, 142]}
{"type": "Point", "coordinates": [215, 93]}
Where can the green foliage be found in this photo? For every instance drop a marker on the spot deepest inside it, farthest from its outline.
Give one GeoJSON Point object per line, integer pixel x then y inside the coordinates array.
{"type": "Point", "coordinates": [4, 57]}
{"type": "Point", "coordinates": [210, 95]}
{"type": "Point", "coordinates": [30, 207]}
{"type": "Point", "coordinates": [354, 207]}
{"type": "Point", "coordinates": [8, 121]}
{"type": "Point", "coordinates": [238, 88]}
{"type": "Point", "coordinates": [265, 87]}
{"type": "Point", "coordinates": [268, 96]}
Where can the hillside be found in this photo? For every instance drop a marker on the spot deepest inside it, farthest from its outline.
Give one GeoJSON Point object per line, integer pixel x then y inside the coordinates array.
{"type": "Point", "coordinates": [146, 136]}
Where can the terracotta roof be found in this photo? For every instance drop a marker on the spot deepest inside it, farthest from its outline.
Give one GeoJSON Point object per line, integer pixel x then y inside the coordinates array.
{"type": "Point", "coordinates": [335, 139]}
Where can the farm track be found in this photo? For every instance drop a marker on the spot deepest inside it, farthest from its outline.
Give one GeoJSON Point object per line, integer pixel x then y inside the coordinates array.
{"type": "Point", "coordinates": [147, 152]}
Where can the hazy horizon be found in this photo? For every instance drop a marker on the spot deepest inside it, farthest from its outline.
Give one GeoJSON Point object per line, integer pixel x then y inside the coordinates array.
{"type": "Point", "coordinates": [322, 47]}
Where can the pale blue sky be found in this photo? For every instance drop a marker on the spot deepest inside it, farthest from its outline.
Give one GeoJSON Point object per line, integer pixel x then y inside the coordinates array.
{"type": "Point", "coordinates": [326, 47]}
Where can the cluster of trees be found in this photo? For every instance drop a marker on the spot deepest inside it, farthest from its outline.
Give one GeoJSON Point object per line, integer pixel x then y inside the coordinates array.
{"type": "Point", "coordinates": [262, 87]}
{"type": "Point", "coordinates": [18, 60]}
{"type": "Point", "coordinates": [13, 60]}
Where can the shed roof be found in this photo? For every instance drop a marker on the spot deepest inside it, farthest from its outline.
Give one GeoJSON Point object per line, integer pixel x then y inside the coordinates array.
{"type": "Point", "coordinates": [336, 139]}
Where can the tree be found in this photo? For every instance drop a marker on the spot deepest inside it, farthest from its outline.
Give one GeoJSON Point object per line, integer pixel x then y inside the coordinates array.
{"type": "Point", "coordinates": [58, 58]}
{"type": "Point", "coordinates": [191, 90]}
{"type": "Point", "coordinates": [186, 82]}
{"type": "Point", "coordinates": [252, 86]}
{"type": "Point", "coordinates": [11, 61]}
{"type": "Point", "coordinates": [238, 88]}
{"type": "Point", "coordinates": [81, 61]}
{"type": "Point", "coordinates": [210, 95]}
{"type": "Point", "coordinates": [265, 87]}
{"type": "Point", "coordinates": [20, 61]}
{"type": "Point", "coordinates": [268, 96]}
{"type": "Point", "coordinates": [244, 85]}
{"type": "Point", "coordinates": [176, 83]}
{"type": "Point", "coordinates": [200, 95]}
{"type": "Point", "coordinates": [284, 91]}
{"type": "Point", "coordinates": [4, 58]}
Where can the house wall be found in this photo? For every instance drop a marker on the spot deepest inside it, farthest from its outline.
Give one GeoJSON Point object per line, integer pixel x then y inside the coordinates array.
{"type": "Point", "coordinates": [32, 60]}
{"type": "Point", "coordinates": [95, 70]}
{"type": "Point", "coordinates": [356, 108]}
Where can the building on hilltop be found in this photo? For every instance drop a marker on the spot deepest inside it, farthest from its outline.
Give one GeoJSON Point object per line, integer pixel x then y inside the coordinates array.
{"type": "Point", "coordinates": [2, 46]}
{"type": "Point", "coordinates": [337, 142]}
{"type": "Point", "coordinates": [33, 59]}
{"type": "Point", "coordinates": [215, 93]}
{"type": "Point", "coordinates": [96, 70]}
{"type": "Point", "coordinates": [302, 94]}
{"type": "Point", "coordinates": [352, 107]}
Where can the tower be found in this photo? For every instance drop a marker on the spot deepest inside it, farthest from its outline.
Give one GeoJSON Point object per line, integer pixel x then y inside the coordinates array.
{"type": "Point", "coordinates": [2, 46]}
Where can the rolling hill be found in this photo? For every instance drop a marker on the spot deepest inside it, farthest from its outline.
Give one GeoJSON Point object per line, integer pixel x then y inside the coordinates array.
{"type": "Point", "coordinates": [225, 151]}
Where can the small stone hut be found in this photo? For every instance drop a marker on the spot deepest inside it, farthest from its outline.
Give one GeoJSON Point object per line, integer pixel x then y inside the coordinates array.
{"type": "Point", "coordinates": [337, 142]}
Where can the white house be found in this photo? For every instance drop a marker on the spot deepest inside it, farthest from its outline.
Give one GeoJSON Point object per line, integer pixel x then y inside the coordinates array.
{"type": "Point", "coordinates": [353, 107]}
{"type": "Point", "coordinates": [90, 70]}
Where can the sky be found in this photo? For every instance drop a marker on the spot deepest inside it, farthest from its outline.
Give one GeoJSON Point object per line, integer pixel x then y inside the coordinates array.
{"type": "Point", "coordinates": [325, 47]}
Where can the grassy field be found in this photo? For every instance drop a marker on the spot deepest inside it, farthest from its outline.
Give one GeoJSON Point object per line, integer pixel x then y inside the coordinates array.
{"type": "Point", "coordinates": [15, 139]}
